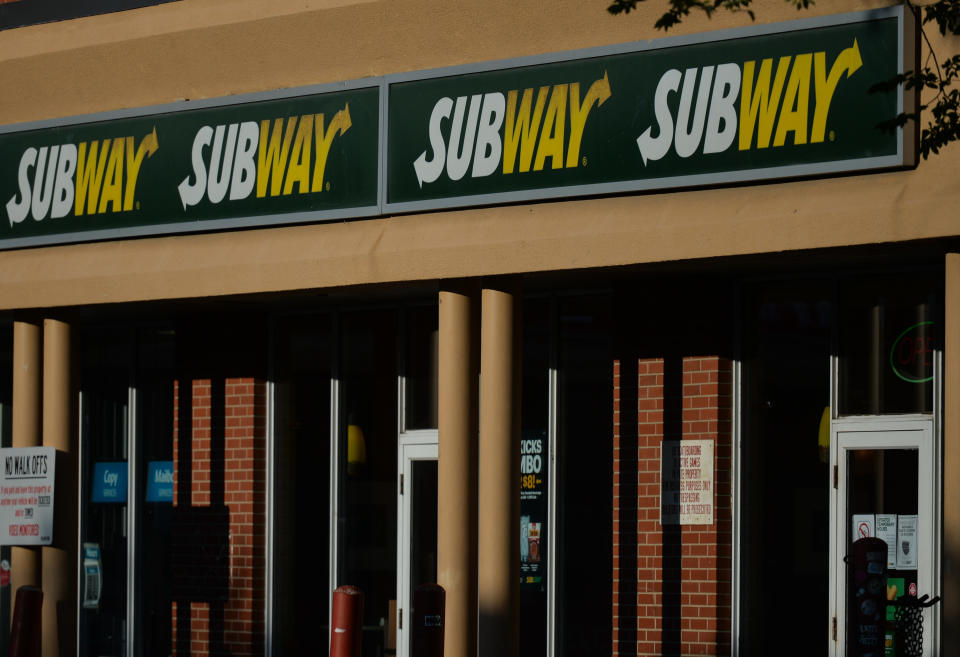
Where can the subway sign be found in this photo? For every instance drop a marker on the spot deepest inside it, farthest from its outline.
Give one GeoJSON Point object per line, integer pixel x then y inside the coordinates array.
{"type": "Point", "coordinates": [250, 162]}
{"type": "Point", "coordinates": [767, 102]}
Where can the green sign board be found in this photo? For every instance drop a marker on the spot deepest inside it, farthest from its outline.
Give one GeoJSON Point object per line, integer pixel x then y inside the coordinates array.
{"type": "Point", "coordinates": [766, 102]}
{"type": "Point", "coordinates": [758, 103]}
{"type": "Point", "coordinates": [251, 162]}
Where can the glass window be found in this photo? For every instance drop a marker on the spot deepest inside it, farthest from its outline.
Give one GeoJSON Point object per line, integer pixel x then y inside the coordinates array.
{"type": "Point", "coordinates": [105, 432]}
{"type": "Point", "coordinates": [367, 508]}
{"type": "Point", "coordinates": [534, 455]}
{"type": "Point", "coordinates": [785, 384]}
{"type": "Point", "coordinates": [888, 336]}
{"type": "Point", "coordinates": [420, 369]}
{"type": "Point", "coordinates": [585, 480]}
{"type": "Point", "coordinates": [301, 557]}
{"type": "Point", "coordinates": [156, 396]}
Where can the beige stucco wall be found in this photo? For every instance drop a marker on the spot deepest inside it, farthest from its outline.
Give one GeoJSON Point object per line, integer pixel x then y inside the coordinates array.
{"type": "Point", "coordinates": [197, 49]}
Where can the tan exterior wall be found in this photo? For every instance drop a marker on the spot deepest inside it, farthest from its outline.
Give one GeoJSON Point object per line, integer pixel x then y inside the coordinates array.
{"type": "Point", "coordinates": [194, 49]}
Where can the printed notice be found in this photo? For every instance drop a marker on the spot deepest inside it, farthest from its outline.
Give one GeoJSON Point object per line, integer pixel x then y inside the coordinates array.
{"type": "Point", "coordinates": [863, 526]}
{"type": "Point", "coordinates": [26, 495]}
{"type": "Point", "coordinates": [887, 532]}
{"type": "Point", "coordinates": [906, 542]}
{"type": "Point", "coordinates": [686, 476]}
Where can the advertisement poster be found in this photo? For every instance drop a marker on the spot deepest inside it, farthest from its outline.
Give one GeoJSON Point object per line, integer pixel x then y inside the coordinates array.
{"type": "Point", "coordinates": [26, 495]}
{"type": "Point", "coordinates": [533, 509]}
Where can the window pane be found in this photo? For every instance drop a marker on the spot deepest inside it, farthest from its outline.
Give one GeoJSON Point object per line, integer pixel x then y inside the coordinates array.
{"type": "Point", "coordinates": [301, 558]}
{"type": "Point", "coordinates": [420, 369]}
{"type": "Point", "coordinates": [786, 378]}
{"type": "Point", "coordinates": [156, 397]}
{"type": "Point", "coordinates": [883, 501]}
{"type": "Point", "coordinates": [367, 513]}
{"type": "Point", "coordinates": [534, 458]}
{"type": "Point", "coordinates": [104, 426]}
{"type": "Point", "coordinates": [585, 485]}
{"type": "Point", "coordinates": [888, 334]}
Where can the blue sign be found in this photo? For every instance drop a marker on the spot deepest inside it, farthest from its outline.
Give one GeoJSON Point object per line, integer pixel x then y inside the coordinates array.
{"type": "Point", "coordinates": [110, 482]}
{"type": "Point", "coordinates": [160, 481]}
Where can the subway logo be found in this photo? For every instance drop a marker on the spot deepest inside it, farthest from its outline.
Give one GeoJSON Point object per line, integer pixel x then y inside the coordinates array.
{"type": "Point", "coordinates": [534, 126]}
{"type": "Point", "coordinates": [277, 158]}
{"type": "Point", "coordinates": [92, 177]}
{"type": "Point", "coordinates": [774, 104]}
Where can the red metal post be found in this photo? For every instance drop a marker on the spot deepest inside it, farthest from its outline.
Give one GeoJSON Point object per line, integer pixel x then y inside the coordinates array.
{"type": "Point", "coordinates": [347, 622]}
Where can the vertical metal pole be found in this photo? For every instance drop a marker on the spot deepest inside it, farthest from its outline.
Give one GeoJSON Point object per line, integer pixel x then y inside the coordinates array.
{"type": "Point", "coordinates": [132, 508]}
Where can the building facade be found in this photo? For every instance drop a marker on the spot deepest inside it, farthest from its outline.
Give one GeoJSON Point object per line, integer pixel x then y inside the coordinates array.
{"type": "Point", "coordinates": [622, 338]}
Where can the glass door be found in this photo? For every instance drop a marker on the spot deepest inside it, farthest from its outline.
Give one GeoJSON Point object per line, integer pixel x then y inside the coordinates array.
{"type": "Point", "coordinates": [417, 535]}
{"type": "Point", "coordinates": [884, 487]}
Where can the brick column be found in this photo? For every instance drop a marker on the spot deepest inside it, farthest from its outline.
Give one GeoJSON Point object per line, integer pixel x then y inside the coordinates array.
{"type": "Point", "coordinates": [220, 530]}
{"type": "Point", "coordinates": [683, 573]}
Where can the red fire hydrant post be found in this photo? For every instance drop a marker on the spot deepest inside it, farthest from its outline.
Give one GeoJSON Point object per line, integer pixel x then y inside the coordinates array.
{"type": "Point", "coordinates": [426, 640]}
{"type": "Point", "coordinates": [25, 634]}
{"type": "Point", "coordinates": [347, 622]}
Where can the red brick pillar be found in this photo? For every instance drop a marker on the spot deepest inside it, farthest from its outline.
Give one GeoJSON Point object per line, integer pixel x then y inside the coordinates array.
{"type": "Point", "coordinates": [245, 461]}
{"type": "Point", "coordinates": [230, 622]}
{"type": "Point", "coordinates": [690, 596]}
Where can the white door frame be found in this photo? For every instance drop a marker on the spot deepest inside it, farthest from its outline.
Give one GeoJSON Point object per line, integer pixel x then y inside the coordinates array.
{"type": "Point", "coordinates": [906, 432]}
{"type": "Point", "coordinates": [413, 446]}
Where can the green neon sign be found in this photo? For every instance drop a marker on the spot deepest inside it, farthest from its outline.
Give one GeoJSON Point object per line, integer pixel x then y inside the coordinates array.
{"type": "Point", "coordinates": [893, 350]}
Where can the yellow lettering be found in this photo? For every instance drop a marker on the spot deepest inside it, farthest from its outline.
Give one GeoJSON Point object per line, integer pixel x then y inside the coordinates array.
{"type": "Point", "coordinates": [271, 156]}
{"type": "Point", "coordinates": [89, 176]}
{"type": "Point", "coordinates": [763, 104]}
{"type": "Point", "coordinates": [598, 93]}
{"type": "Point", "coordinates": [113, 182]}
{"type": "Point", "coordinates": [824, 85]}
{"type": "Point", "coordinates": [299, 171]}
{"type": "Point", "coordinates": [521, 128]}
{"type": "Point", "coordinates": [797, 96]}
{"type": "Point", "coordinates": [148, 146]}
{"type": "Point", "coordinates": [551, 138]}
{"type": "Point", "coordinates": [340, 123]}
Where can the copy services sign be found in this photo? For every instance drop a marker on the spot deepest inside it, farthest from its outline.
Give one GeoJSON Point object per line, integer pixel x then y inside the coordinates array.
{"type": "Point", "coordinates": [26, 495]}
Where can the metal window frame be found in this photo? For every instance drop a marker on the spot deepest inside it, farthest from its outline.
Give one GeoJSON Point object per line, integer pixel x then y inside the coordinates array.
{"type": "Point", "coordinates": [552, 391]}
{"type": "Point", "coordinates": [133, 561]}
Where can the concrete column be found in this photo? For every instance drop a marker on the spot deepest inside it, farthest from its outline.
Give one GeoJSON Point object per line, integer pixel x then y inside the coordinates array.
{"type": "Point", "coordinates": [951, 461]}
{"type": "Point", "coordinates": [498, 569]}
{"type": "Point", "coordinates": [60, 559]}
{"type": "Point", "coordinates": [25, 561]}
{"type": "Point", "coordinates": [458, 394]}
